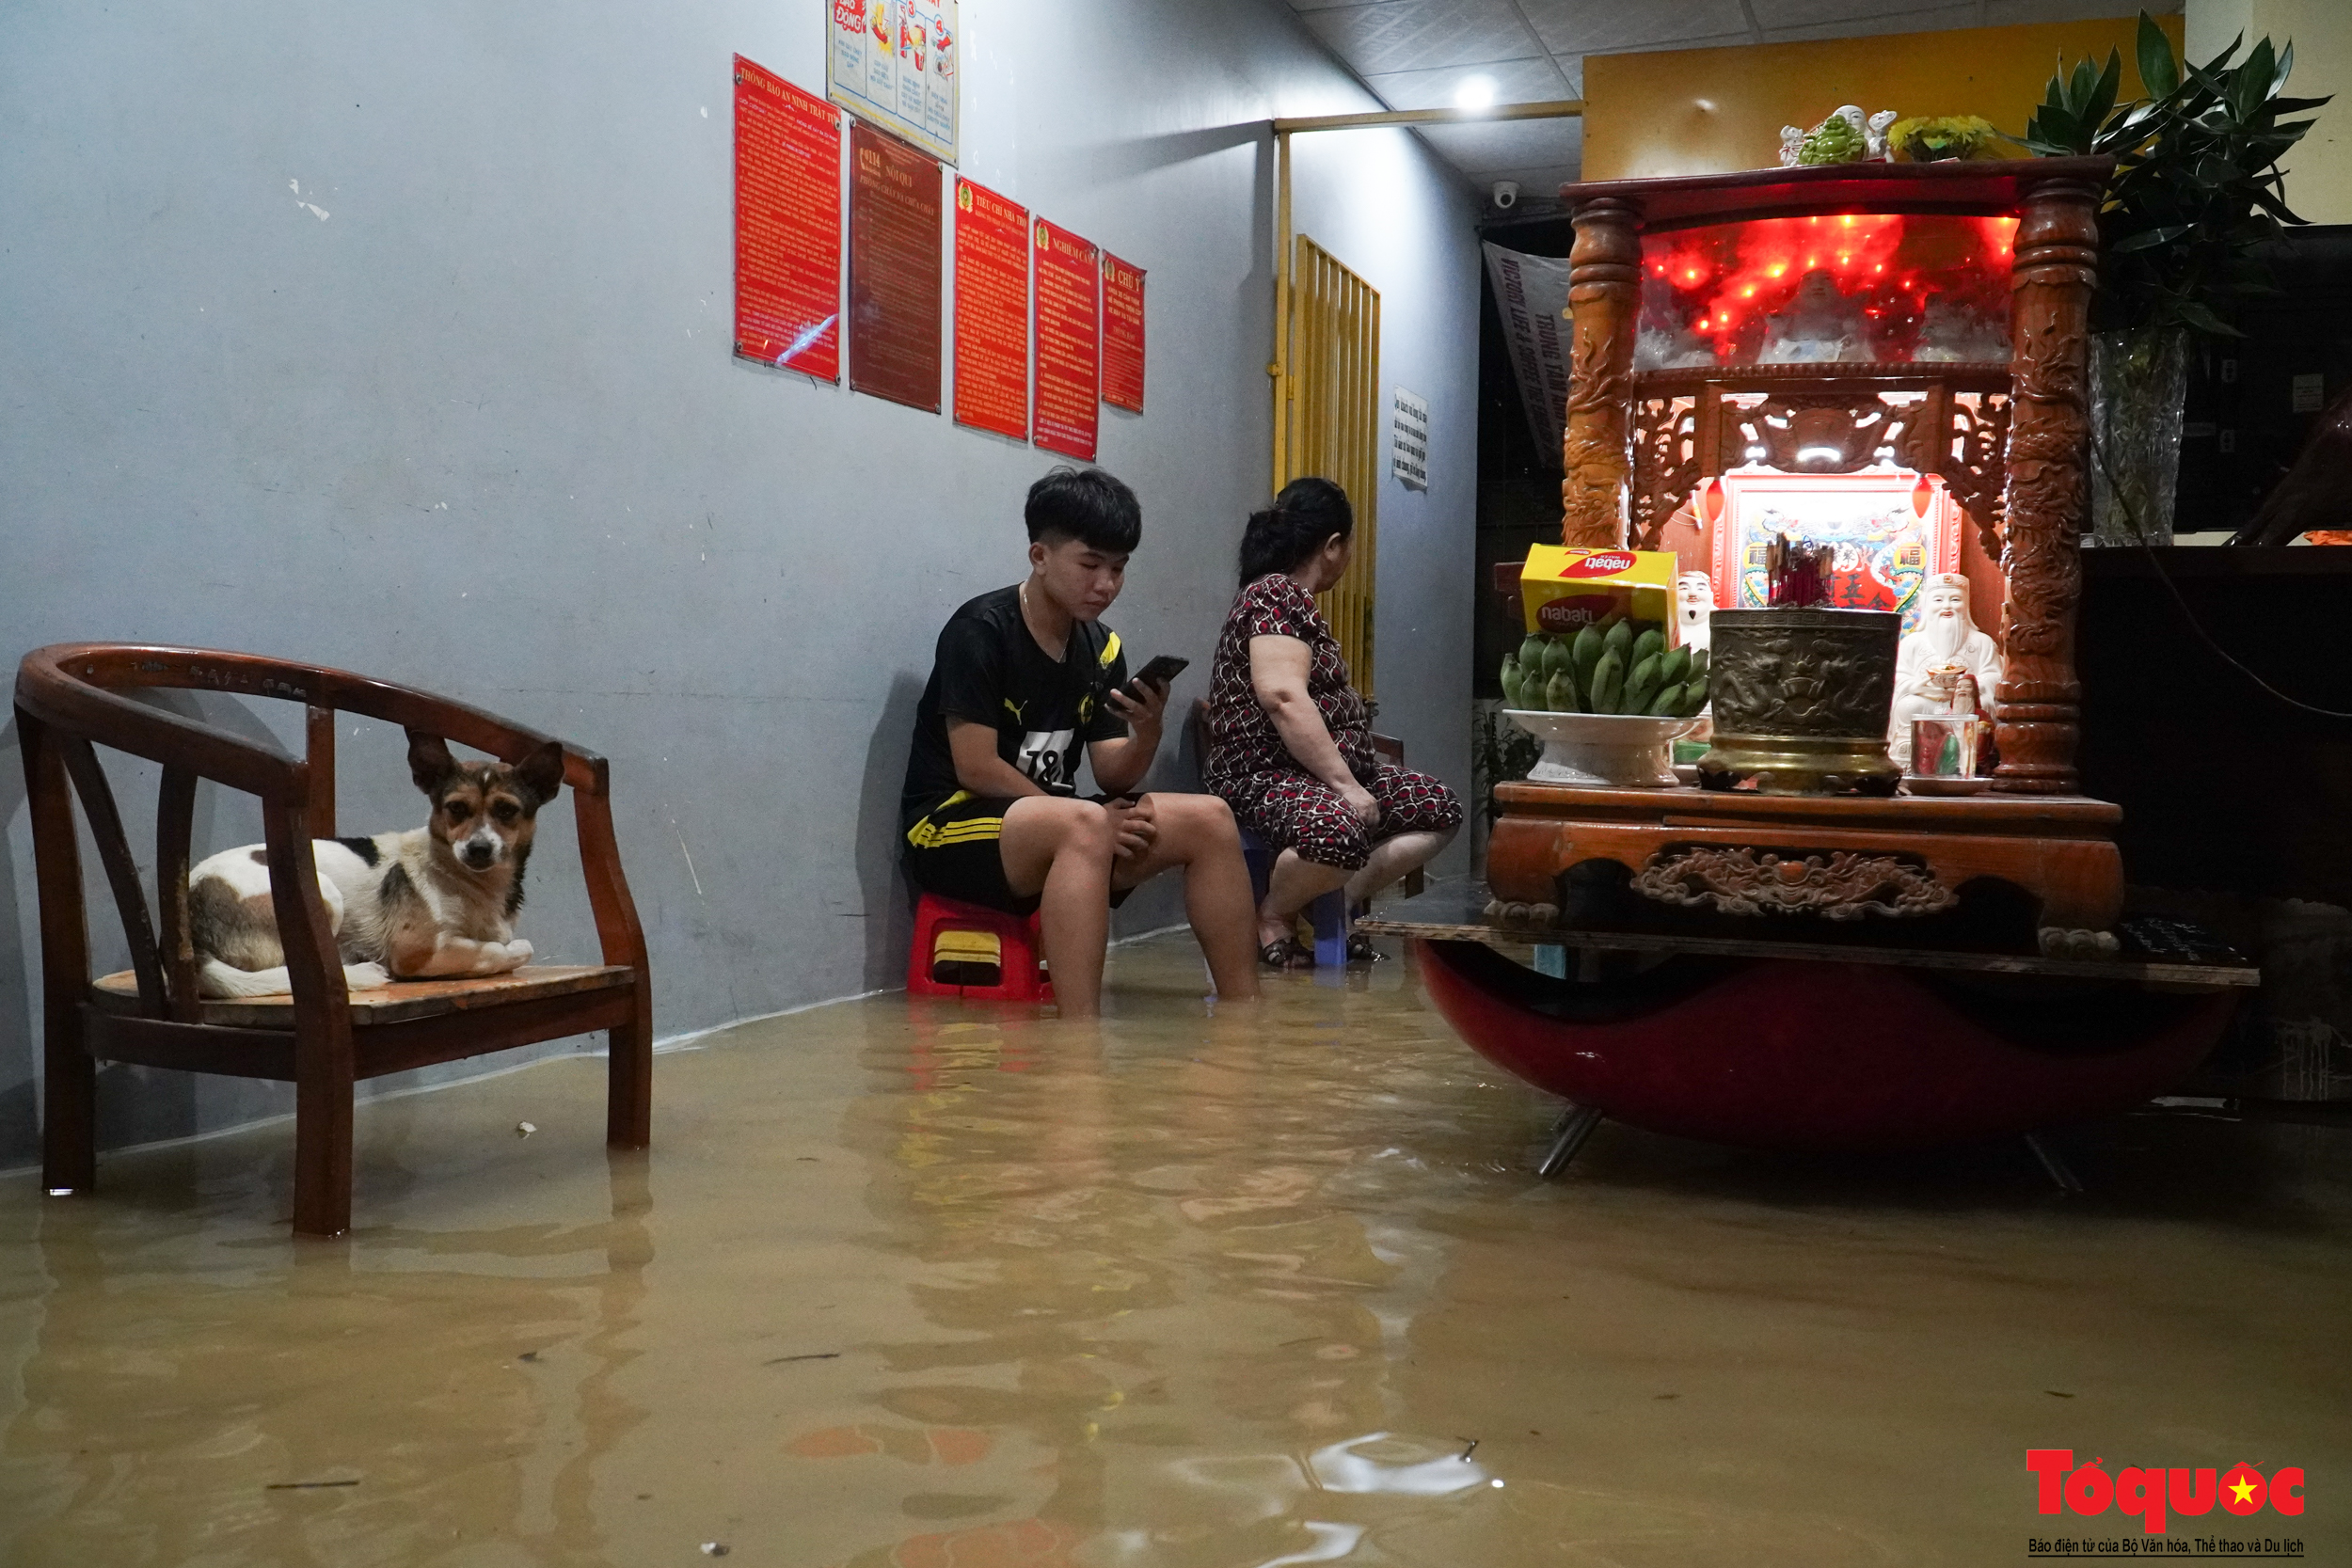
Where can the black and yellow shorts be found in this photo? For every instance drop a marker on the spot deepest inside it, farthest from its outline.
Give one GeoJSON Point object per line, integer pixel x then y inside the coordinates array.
{"type": "Point", "coordinates": [953, 852]}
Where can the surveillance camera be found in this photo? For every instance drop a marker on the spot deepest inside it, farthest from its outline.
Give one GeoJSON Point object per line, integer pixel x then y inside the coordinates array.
{"type": "Point", "coordinates": [1506, 193]}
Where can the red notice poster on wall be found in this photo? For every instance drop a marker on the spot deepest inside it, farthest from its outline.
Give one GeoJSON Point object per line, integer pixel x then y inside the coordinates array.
{"type": "Point", "coordinates": [991, 312]}
{"type": "Point", "coordinates": [1122, 334]}
{"type": "Point", "coordinates": [1069, 343]}
{"type": "Point", "coordinates": [894, 269]}
{"type": "Point", "coordinates": [788, 225]}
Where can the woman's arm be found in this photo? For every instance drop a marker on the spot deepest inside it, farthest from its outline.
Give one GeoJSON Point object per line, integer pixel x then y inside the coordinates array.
{"type": "Point", "coordinates": [1277, 675]}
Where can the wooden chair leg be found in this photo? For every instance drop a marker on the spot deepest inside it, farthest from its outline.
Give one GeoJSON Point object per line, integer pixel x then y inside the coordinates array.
{"type": "Point", "coordinates": [325, 1059]}
{"type": "Point", "coordinates": [68, 1099]}
{"type": "Point", "coordinates": [69, 1107]}
{"type": "Point", "coordinates": [628, 1068]}
{"type": "Point", "coordinates": [323, 1141]}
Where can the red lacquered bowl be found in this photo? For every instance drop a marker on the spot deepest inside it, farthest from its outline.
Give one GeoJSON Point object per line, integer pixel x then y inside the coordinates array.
{"type": "Point", "coordinates": [1781, 1054]}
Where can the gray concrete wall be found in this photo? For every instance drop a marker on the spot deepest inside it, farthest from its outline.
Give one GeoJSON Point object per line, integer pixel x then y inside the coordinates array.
{"type": "Point", "coordinates": [397, 338]}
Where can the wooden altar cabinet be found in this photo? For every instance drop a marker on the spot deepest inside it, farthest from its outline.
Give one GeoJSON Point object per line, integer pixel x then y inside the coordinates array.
{"type": "Point", "coordinates": [2009, 440]}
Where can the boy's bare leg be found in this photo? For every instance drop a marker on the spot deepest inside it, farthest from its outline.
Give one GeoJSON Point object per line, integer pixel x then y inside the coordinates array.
{"type": "Point", "coordinates": [1197, 832]}
{"type": "Point", "coordinates": [1392, 858]}
{"type": "Point", "coordinates": [1061, 851]}
{"type": "Point", "coordinates": [1295, 884]}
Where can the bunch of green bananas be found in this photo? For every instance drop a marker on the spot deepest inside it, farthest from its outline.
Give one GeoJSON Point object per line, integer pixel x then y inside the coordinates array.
{"type": "Point", "coordinates": [1607, 667]}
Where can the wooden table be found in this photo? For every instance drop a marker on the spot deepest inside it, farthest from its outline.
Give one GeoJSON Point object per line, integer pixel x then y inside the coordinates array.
{"type": "Point", "coordinates": [1455, 911]}
{"type": "Point", "coordinates": [1848, 859]}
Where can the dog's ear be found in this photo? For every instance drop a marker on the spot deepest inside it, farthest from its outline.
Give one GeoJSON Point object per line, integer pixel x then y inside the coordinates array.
{"type": "Point", "coordinates": [429, 761]}
{"type": "Point", "coordinates": [542, 772]}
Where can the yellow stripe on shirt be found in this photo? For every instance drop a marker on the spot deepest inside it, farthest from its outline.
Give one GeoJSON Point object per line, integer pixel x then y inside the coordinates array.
{"type": "Point", "coordinates": [1110, 649]}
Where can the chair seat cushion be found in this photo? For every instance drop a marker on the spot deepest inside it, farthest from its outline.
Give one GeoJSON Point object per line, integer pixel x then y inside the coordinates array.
{"type": "Point", "coordinates": [397, 1003]}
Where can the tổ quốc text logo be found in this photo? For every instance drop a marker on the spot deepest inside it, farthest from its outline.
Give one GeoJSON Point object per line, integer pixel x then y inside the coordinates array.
{"type": "Point", "coordinates": [2154, 1495]}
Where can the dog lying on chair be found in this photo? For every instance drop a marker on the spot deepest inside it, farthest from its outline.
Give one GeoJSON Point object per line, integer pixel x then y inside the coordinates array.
{"type": "Point", "coordinates": [436, 902]}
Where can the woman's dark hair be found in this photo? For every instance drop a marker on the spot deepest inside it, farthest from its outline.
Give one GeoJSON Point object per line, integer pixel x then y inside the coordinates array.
{"type": "Point", "coordinates": [1307, 513]}
{"type": "Point", "coordinates": [1085, 504]}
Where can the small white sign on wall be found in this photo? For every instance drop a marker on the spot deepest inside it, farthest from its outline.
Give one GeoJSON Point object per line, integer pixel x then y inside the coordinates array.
{"type": "Point", "coordinates": [1409, 440]}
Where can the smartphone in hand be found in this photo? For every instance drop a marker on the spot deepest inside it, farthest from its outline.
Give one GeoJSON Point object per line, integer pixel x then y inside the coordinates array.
{"type": "Point", "coordinates": [1161, 671]}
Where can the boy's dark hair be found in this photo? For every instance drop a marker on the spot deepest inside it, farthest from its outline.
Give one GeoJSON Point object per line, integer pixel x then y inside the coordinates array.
{"type": "Point", "coordinates": [1085, 504]}
{"type": "Point", "coordinates": [1307, 513]}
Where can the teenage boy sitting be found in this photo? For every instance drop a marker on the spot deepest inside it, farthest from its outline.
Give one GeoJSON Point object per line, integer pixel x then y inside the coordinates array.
{"type": "Point", "coordinates": [1022, 677]}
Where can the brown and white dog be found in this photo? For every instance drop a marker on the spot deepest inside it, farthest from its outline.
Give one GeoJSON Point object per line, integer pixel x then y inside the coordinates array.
{"type": "Point", "coordinates": [436, 902]}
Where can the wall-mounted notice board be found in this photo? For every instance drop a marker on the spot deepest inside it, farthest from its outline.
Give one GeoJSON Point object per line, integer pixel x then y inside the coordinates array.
{"type": "Point", "coordinates": [788, 225]}
{"type": "Point", "coordinates": [1069, 342]}
{"type": "Point", "coordinates": [894, 268]}
{"type": "Point", "coordinates": [893, 62]}
{"type": "Point", "coordinates": [991, 312]}
{"type": "Point", "coordinates": [1122, 334]}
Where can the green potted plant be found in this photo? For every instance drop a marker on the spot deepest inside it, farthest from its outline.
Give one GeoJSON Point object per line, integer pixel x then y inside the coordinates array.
{"type": "Point", "coordinates": [2196, 187]}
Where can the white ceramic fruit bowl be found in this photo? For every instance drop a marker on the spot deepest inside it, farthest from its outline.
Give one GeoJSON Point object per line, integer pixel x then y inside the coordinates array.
{"type": "Point", "coordinates": [1604, 750]}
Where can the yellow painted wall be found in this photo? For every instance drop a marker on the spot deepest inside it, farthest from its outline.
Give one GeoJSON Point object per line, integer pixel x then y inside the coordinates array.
{"type": "Point", "coordinates": [1711, 111]}
{"type": "Point", "coordinates": [2319, 171]}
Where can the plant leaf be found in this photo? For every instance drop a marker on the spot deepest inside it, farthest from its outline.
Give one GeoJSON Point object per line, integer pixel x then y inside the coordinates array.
{"type": "Point", "coordinates": [2103, 91]}
{"type": "Point", "coordinates": [2158, 72]}
{"type": "Point", "coordinates": [2147, 238]}
{"type": "Point", "coordinates": [2059, 129]}
{"type": "Point", "coordinates": [2250, 83]}
{"type": "Point", "coordinates": [2203, 320]}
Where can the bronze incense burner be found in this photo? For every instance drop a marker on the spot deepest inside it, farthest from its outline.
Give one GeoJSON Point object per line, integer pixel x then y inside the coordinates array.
{"type": "Point", "coordinates": [1801, 702]}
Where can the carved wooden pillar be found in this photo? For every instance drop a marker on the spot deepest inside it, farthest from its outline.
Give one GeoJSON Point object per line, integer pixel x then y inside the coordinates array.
{"type": "Point", "coordinates": [2039, 702]}
{"type": "Point", "coordinates": [1604, 303]}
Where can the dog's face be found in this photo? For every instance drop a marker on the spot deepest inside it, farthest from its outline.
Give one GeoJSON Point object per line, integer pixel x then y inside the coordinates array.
{"type": "Point", "coordinates": [484, 812]}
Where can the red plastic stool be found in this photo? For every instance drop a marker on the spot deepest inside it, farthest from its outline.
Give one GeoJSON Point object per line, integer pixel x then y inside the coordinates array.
{"type": "Point", "coordinates": [965, 950]}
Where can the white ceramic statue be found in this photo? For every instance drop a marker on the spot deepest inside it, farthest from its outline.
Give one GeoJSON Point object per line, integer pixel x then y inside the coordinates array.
{"type": "Point", "coordinates": [1819, 324]}
{"type": "Point", "coordinates": [1694, 603]}
{"type": "Point", "coordinates": [1869, 134]}
{"type": "Point", "coordinates": [1950, 332]}
{"type": "Point", "coordinates": [1946, 637]}
{"type": "Point", "coordinates": [1664, 343]}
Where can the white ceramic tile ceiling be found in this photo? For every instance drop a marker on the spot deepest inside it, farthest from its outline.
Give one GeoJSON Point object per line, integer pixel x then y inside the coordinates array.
{"type": "Point", "coordinates": [1419, 53]}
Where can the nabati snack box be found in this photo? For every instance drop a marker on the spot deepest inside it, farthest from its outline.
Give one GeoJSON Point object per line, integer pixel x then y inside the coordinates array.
{"type": "Point", "coordinates": [1566, 589]}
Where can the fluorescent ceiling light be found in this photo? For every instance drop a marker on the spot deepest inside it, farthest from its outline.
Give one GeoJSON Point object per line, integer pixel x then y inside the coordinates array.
{"type": "Point", "coordinates": [1477, 92]}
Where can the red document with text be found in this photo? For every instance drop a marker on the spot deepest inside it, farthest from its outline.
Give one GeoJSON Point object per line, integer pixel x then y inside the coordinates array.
{"type": "Point", "coordinates": [788, 225]}
{"type": "Point", "coordinates": [1069, 342]}
{"type": "Point", "coordinates": [1122, 334]}
{"type": "Point", "coordinates": [894, 269]}
{"type": "Point", "coordinates": [991, 312]}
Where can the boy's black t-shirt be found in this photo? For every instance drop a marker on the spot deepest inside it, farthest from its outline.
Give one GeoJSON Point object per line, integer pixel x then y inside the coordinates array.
{"type": "Point", "coordinates": [989, 669]}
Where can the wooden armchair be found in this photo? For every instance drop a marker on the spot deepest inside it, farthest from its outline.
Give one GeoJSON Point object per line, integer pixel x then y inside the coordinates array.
{"type": "Point", "coordinates": [322, 1038]}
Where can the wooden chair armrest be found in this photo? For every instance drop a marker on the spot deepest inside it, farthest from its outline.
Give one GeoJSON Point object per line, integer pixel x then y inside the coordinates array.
{"type": "Point", "coordinates": [61, 686]}
{"type": "Point", "coordinates": [58, 673]}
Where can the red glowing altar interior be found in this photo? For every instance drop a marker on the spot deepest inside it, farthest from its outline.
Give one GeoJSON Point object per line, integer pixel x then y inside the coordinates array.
{"type": "Point", "coordinates": [1890, 358]}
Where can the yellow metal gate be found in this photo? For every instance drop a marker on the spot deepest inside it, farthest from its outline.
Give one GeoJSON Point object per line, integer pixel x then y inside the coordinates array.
{"type": "Point", "coordinates": [1327, 422]}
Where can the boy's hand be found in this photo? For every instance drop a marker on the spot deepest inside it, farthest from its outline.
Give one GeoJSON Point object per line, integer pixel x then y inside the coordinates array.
{"type": "Point", "coordinates": [1133, 823]}
{"type": "Point", "coordinates": [1144, 712]}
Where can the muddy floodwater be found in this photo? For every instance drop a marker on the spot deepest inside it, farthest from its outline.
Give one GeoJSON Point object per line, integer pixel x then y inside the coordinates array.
{"type": "Point", "coordinates": [934, 1286]}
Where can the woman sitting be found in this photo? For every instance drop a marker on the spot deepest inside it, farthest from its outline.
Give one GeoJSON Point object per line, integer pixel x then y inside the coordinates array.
{"type": "Point", "coordinates": [1290, 740]}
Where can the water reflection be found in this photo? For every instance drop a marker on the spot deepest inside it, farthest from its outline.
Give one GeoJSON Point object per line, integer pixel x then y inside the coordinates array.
{"type": "Point", "coordinates": [1150, 1296]}
{"type": "Point", "coordinates": [938, 1287]}
{"type": "Point", "coordinates": [224, 1396]}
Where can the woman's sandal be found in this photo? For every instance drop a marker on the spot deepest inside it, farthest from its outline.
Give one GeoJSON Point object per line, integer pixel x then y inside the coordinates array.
{"type": "Point", "coordinates": [1361, 951]}
{"type": "Point", "coordinates": [1286, 953]}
